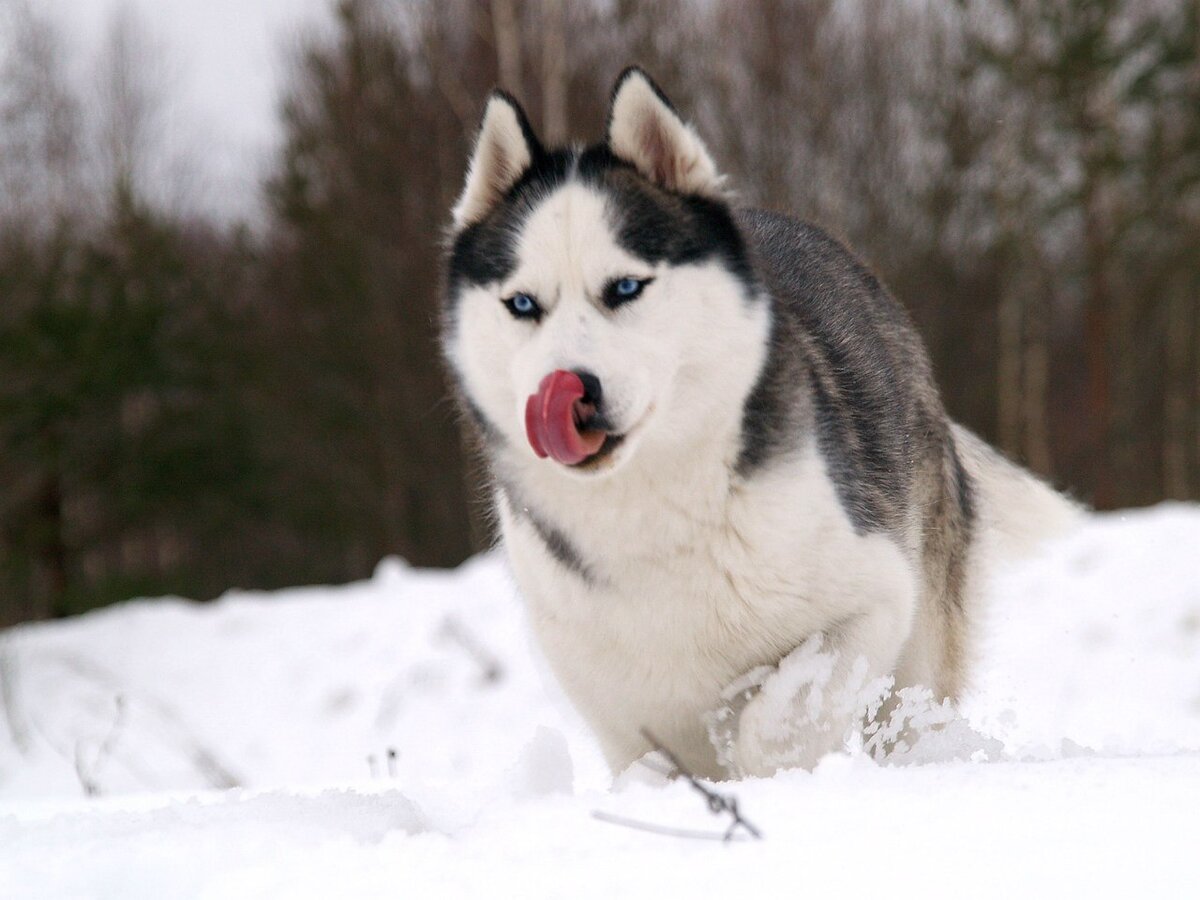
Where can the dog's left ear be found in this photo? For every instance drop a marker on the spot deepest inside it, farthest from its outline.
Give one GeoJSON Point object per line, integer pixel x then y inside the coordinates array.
{"type": "Point", "coordinates": [504, 151]}
{"type": "Point", "coordinates": [645, 130]}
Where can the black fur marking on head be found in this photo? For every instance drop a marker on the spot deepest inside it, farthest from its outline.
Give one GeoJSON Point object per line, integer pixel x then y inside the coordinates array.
{"type": "Point", "coordinates": [651, 223]}
{"type": "Point", "coordinates": [485, 251]}
{"type": "Point", "coordinates": [658, 225]}
{"type": "Point", "coordinates": [480, 255]}
{"type": "Point", "coordinates": [554, 540]}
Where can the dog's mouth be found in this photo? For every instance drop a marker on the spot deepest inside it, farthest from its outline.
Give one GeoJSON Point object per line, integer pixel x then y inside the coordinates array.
{"type": "Point", "coordinates": [562, 423]}
{"type": "Point", "coordinates": [596, 460]}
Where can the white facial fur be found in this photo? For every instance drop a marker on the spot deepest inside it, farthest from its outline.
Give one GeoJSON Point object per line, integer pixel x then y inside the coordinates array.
{"type": "Point", "coordinates": [653, 355]}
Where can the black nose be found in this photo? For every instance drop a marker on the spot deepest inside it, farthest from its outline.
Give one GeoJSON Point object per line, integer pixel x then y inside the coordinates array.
{"type": "Point", "coordinates": [591, 387]}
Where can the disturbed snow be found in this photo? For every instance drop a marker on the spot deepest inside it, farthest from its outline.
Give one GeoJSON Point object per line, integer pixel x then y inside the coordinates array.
{"type": "Point", "coordinates": [400, 736]}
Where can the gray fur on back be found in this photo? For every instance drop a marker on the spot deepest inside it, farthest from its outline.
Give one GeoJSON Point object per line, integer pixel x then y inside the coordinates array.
{"type": "Point", "coordinates": [839, 338]}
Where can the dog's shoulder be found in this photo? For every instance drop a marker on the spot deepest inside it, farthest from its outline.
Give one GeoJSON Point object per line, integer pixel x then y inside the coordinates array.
{"type": "Point", "coordinates": [849, 351]}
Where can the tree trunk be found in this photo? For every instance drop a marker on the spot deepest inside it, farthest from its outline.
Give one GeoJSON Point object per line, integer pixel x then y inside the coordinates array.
{"type": "Point", "coordinates": [1097, 343]}
{"type": "Point", "coordinates": [52, 555]}
{"type": "Point", "coordinates": [1036, 378]}
{"type": "Point", "coordinates": [1178, 389]}
{"type": "Point", "coordinates": [554, 73]}
{"type": "Point", "coordinates": [1008, 370]}
{"type": "Point", "coordinates": [507, 30]}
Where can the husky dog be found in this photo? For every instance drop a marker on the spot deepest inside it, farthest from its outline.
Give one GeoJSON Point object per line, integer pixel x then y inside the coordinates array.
{"type": "Point", "coordinates": [713, 438]}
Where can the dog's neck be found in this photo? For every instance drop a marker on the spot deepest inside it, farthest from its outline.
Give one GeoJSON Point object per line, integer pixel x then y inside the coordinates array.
{"type": "Point", "coordinates": [659, 497]}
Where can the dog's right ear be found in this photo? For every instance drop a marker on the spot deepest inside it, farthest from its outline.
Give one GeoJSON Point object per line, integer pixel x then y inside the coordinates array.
{"type": "Point", "coordinates": [504, 151]}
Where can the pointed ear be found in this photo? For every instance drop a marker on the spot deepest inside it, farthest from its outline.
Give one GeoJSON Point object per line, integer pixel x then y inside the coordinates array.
{"type": "Point", "coordinates": [645, 130]}
{"type": "Point", "coordinates": [504, 151]}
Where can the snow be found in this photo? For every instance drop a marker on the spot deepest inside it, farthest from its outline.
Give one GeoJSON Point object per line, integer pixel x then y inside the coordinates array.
{"type": "Point", "coordinates": [1072, 767]}
{"type": "Point", "coordinates": [1124, 595]}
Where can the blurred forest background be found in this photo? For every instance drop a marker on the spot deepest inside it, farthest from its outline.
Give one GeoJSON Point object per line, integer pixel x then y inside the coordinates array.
{"type": "Point", "coordinates": [189, 404]}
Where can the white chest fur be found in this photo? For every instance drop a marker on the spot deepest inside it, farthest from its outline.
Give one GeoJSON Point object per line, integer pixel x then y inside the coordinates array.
{"type": "Point", "coordinates": [692, 580]}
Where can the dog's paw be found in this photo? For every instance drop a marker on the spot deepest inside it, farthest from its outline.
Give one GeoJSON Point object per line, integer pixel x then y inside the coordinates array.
{"type": "Point", "coordinates": [723, 723]}
{"type": "Point", "coordinates": [783, 716]}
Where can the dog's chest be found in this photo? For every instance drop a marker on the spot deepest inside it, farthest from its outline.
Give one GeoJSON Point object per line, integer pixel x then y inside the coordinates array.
{"type": "Point", "coordinates": [674, 601]}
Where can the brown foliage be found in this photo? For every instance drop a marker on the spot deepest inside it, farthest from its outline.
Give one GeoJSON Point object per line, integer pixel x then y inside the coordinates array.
{"type": "Point", "coordinates": [1024, 175]}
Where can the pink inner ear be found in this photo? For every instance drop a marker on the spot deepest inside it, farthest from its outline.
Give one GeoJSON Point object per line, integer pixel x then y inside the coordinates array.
{"type": "Point", "coordinates": [654, 145]}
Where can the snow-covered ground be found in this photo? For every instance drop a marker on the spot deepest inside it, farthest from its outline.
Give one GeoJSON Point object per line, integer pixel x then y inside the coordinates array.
{"type": "Point", "coordinates": [400, 738]}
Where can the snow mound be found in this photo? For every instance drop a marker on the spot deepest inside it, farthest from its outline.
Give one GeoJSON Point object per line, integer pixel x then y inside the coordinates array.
{"type": "Point", "coordinates": [1097, 642]}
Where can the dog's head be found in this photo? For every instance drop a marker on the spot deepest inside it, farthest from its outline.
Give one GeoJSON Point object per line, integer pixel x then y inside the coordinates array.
{"type": "Point", "coordinates": [600, 304]}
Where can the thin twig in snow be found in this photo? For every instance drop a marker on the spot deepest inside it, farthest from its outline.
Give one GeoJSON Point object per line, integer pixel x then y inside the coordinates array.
{"type": "Point", "coordinates": [664, 830]}
{"type": "Point", "coordinates": [490, 666]}
{"type": "Point", "coordinates": [88, 779]}
{"type": "Point", "coordinates": [717, 803]}
{"type": "Point", "coordinates": [8, 699]}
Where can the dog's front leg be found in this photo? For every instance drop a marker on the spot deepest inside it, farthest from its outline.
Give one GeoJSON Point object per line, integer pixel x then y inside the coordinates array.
{"type": "Point", "coordinates": [792, 714]}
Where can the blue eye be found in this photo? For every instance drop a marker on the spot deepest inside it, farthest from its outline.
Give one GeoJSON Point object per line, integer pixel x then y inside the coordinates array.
{"type": "Point", "coordinates": [523, 306]}
{"type": "Point", "coordinates": [622, 290]}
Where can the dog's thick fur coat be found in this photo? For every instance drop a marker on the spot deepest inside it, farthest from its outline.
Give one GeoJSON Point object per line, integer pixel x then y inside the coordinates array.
{"type": "Point", "coordinates": [777, 468]}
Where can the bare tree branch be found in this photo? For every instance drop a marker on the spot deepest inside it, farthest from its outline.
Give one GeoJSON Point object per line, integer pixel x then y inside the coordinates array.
{"type": "Point", "coordinates": [666, 831]}
{"type": "Point", "coordinates": [87, 773]}
{"type": "Point", "coordinates": [8, 699]}
{"type": "Point", "coordinates": [507, 25]}
{"type": "Point", "coordinates": [554, 72]}
{"type": "Point", "coordinates": [490, 667]}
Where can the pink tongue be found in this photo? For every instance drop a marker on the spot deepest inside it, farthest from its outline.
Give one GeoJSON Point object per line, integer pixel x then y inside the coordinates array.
{"type": "Point", "coordinates": [550, 420]}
